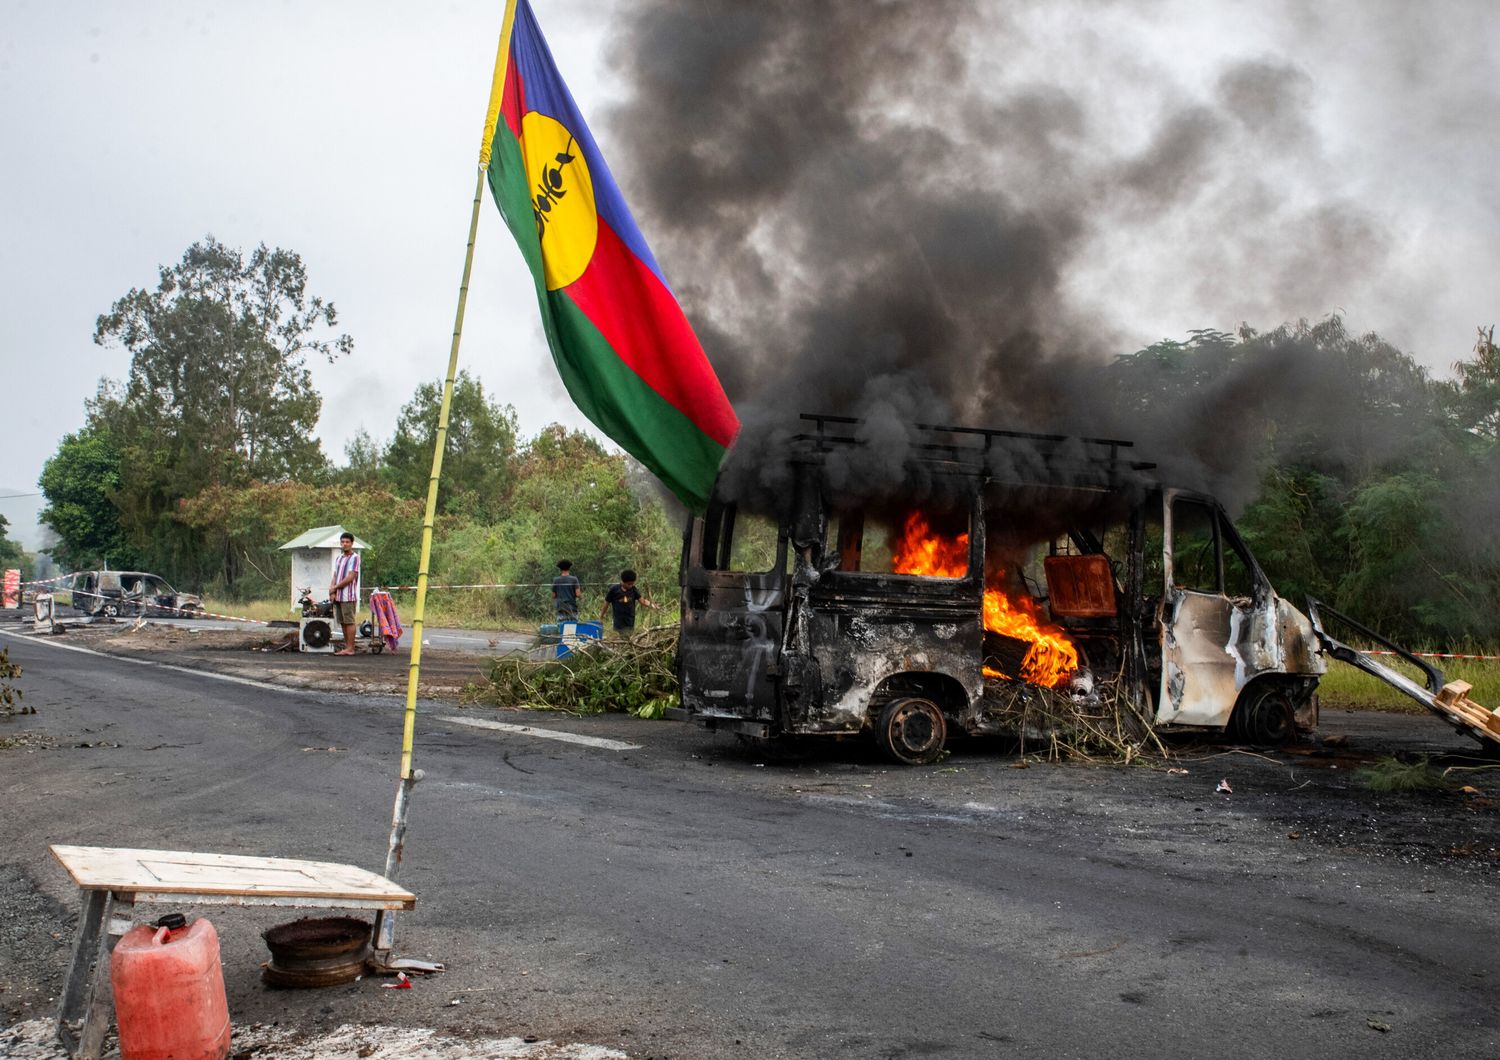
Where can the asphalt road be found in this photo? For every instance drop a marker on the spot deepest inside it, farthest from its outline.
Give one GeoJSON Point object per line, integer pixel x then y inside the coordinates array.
{"type": "Point", "coordinates": [690, 899]}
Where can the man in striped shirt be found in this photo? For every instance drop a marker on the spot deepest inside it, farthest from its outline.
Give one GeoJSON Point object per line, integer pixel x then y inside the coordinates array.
{"type": "Point", "coordinates": [344, 590]}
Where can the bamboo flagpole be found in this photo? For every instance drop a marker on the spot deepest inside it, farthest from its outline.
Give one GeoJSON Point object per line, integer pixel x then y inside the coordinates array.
{"type": "Point", "coordinates": [385, 920]}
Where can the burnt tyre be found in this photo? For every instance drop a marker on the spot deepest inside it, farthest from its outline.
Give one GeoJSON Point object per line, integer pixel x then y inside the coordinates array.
{"type": "Point", "coordinates": [912, 731]}
{"type": "Point", "coordinates": [1267, 717]}
{"type": "Point", "coordinates": [110, 610]}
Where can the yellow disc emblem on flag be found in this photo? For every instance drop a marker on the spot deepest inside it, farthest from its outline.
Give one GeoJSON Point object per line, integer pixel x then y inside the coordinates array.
{"type": "Point", "coordinates": [562, 198]}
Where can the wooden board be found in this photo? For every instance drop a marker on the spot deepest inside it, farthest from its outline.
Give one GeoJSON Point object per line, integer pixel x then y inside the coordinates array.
{"type": "Point", "coordinates": [186, 872]}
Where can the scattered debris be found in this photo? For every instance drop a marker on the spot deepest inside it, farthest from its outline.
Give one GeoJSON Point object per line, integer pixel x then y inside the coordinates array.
{"type": "Point", "coordinates": [1447, 699]}
{"type": "Point", "coordinates": [10, 696]}
{"type": "Point", "coordinates": [38, 1039]}
{"type": "Point", "coordinates": [26, 741]}
{"type": "Point", "coordinates": [1224, 788]}
{"type": "Point", "coordinates": [403, 982]}
{"type": "Point", "coordinates": [1177, 771]}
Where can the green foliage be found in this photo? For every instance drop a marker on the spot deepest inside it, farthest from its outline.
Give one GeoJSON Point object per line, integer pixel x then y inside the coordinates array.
{"type": "Point", "coordinates": [1160, 375]}
{"type": "Point", "coordinates": [80, 482]}
{"type": "Point", "coordinates": [363, 463]}
{"type": "Point", "coordinates": [1295, 529]}
{"type": "Point", "coordinates": [636, 677]}
{"type": "Point", "coordinates": [218, 393]}
{"type": "Point", "coordinates": [1379, 488]}
{"type": "Point", "coordinates": [571, 500]}
{"type": "Point", "coordinates": [1475, 395]}
{"type": "Point", "coordinates": [253, 521]}
{"type": "Point", "coordinates": [1389, 775]}
{"type": "Point", "coordinates": [478, 458]}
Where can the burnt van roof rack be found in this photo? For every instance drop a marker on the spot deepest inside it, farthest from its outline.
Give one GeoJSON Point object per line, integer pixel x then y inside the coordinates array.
{"type": "Point", "coordinates": [985, 441]}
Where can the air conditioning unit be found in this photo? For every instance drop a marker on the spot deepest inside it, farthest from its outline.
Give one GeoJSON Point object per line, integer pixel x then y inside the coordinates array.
{"type": "Point", "coordinates": [315, 634]}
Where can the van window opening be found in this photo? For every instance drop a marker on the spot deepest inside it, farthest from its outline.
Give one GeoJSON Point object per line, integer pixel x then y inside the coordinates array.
{"type": "Point", "coordinates": [913, 543]}
{"type": "Point", "coordinates": [1195, 557]}
{"type": "Point", "coordinates": [741, 542]}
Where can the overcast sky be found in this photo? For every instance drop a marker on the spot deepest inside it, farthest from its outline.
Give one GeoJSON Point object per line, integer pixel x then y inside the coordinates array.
{"type": "Point", "coordinates": [349, 132]}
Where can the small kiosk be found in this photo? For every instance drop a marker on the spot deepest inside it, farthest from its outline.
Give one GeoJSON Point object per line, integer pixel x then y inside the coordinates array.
{"type": "Point", "coordinates": [313, 556]}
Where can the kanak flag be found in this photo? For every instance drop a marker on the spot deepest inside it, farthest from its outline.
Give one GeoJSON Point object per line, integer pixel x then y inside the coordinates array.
{"type": "Point", "coordinates": [626, 352]}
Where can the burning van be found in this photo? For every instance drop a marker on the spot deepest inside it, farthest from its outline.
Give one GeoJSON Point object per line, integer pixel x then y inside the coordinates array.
{"type": "Point", "coordinates": [1035, 569]}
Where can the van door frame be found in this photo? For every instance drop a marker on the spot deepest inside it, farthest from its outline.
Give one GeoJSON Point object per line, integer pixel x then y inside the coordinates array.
{"type": "Point", "coordinates": [1202, 668]}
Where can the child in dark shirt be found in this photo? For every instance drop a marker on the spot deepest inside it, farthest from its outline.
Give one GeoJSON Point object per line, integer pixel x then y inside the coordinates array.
{"type": "Point", "coordinates": [621, 599]}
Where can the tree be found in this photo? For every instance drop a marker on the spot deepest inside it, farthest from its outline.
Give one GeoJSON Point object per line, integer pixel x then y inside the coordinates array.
{"type": "Point", "coordinates": [80, 481]}
{"type": "Point", "coordinates": [218, 391]}
{"type": "Point", "coordinates": [256, 519]}
{"type": "Point", "coordinates": [363, 460]}
{"type": "Point", "coordinates": [1476, 395]}
{"type": "Point", "coordinates": [12, 555]}
{"type": "Point", "coordinates": [1368, 484]}
{"type": "Point", "coordinates": [478, 463]}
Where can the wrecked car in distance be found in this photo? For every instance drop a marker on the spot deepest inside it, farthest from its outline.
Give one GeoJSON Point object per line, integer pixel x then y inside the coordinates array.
{"type": "Point", "coordinates": [1036, 567]}
{"type": "Point", "coordinates": [112, 593]}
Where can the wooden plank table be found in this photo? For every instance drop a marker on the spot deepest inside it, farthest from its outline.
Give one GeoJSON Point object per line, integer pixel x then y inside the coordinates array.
{"type": "Point", "coordinates": [113, 880]}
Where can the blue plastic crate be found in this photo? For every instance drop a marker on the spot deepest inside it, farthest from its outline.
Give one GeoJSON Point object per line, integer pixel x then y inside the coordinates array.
{"type": "Point", "coordinates": [577, 635]}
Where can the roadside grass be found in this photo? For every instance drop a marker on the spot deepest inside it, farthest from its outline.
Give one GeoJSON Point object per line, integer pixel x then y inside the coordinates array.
{"type": "Point", "coordinates": [1345, 687]}
{"type": "Point", "coordinates": [263, 610]}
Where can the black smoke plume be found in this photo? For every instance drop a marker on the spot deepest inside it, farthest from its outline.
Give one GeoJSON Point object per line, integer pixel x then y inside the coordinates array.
{"type": "Point", "coordinates": [894, 211]}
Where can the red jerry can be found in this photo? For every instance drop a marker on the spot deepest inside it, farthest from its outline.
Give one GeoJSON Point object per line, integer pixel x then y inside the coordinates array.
{"type": "Point", "coordinates": [169, 992]}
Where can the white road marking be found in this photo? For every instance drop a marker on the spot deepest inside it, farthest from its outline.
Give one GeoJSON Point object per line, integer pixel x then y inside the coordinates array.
{"type": "Point", "coordinates": [159, 665]}
{"type": "Point", "coordinates": [543, 734]}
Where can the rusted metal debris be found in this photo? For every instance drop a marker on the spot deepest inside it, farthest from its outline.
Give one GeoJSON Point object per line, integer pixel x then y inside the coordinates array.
{"type": "Point", "coordinates": [1449, 700]}
{"type": "Point", "coordinates": [316, 951]}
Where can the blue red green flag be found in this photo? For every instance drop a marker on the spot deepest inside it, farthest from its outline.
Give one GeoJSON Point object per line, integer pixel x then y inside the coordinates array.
{"type": "Point", "coordinates": [626, 352]}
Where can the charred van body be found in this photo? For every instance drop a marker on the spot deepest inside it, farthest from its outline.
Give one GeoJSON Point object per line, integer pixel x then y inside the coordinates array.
{"type": "Point", "coordinates": [1034, 566]}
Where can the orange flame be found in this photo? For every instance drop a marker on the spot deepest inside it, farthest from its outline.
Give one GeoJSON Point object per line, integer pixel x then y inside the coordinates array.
{"type": "Point", "coordinates": [920, 551]}
{"type": "Point", "coordinates": [1051, 656]}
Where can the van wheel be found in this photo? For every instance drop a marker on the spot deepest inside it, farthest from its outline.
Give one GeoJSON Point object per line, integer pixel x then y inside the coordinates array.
{"type": "Point", "coordinates": [912, 731]}
{"type": "Point", "coordinates": [1267, 717]}
{"type": "Point", "coordinates": [110, 610]}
